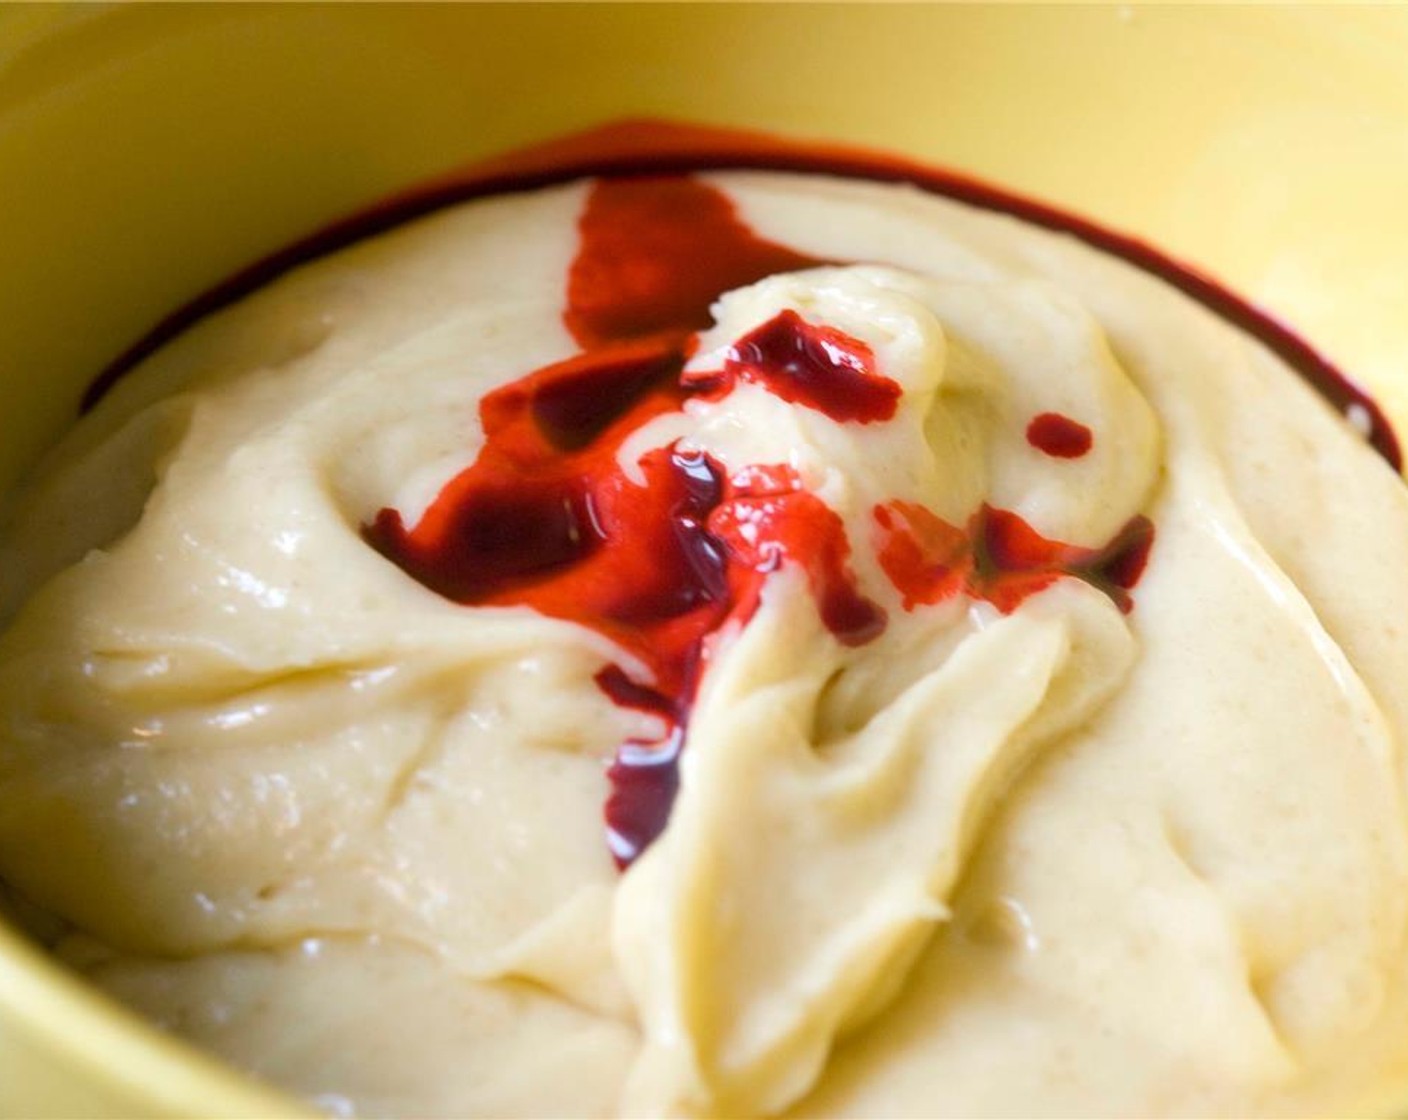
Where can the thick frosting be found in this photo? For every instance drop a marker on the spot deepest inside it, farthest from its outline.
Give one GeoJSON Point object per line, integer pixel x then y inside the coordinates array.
{"type": "Point", "coordinates": [1103, 814]}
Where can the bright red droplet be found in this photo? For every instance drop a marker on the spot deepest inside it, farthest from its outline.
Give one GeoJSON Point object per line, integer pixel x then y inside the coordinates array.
{"type": "Point", "coordinates": [1059, 436]}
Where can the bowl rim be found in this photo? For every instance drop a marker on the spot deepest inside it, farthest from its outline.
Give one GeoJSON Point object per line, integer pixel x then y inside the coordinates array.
{"type": "Point", "coordinates": [115, 1049]}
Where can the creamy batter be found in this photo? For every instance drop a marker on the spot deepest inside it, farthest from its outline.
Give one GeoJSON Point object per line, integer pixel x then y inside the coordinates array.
{"type": "Point", "coordinates": [1066, 778]}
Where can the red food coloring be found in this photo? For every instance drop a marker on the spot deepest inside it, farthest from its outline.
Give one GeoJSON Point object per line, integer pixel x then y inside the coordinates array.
{"type": "Point", "coordinates": [770, 518]}
{"type": "Point", "coordinates": [999, 558]}
{"type": "Point", "coordinates": [655, 254]}
{"type": "Point", "coordinates": [544, 497]}
{"type": "Point", "coordinates": [575, 402]}
{"type": "Point", "coordinates": [815, 366]}
{"type": "Point", "coordinates": [927, 559]}
{"type": "Point", "coordinates": [1059, 436]}
{"type": "Point", "coordinates": [644, 781]}
{"type": "Point", "coordinates": [1014, 561]}
{"type": "Point", "coordinates": [546, 517]}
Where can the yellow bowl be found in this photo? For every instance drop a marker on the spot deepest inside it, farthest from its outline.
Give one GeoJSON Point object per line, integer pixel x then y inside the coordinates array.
{"type": "Point", "coordinates": [145, 152]}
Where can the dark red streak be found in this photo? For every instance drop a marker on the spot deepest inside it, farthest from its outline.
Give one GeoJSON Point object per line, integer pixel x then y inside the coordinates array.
{"type": "Point", "coordinates": [1059, 436]}
{"type": "Point", "coordinates": [998, 557]}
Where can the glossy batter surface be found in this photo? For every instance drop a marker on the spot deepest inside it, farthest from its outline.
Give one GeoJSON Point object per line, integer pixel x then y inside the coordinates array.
{"type": "Point", "coordinates": [1017, 731]}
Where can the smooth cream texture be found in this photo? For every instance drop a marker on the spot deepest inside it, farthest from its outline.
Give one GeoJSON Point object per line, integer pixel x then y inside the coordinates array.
{"type": "Point", "coordinates": [347, 833]}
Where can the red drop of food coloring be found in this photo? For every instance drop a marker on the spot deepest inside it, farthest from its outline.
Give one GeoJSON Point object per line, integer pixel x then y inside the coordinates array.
{"type": "Point", "coordinates": [1059, 436]}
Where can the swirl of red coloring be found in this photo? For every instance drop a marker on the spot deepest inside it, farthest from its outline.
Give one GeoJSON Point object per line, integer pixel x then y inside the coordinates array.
{"type": "Point", "coordinates": [545, 517]}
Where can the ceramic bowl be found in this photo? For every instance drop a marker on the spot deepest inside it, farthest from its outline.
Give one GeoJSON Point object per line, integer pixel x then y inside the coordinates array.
{"type": "Point", "coordinates": [147, 152]}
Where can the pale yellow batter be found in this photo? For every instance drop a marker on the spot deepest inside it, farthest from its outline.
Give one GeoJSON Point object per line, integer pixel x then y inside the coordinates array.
{"type": "Point", "coordinates": [346, 833]}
